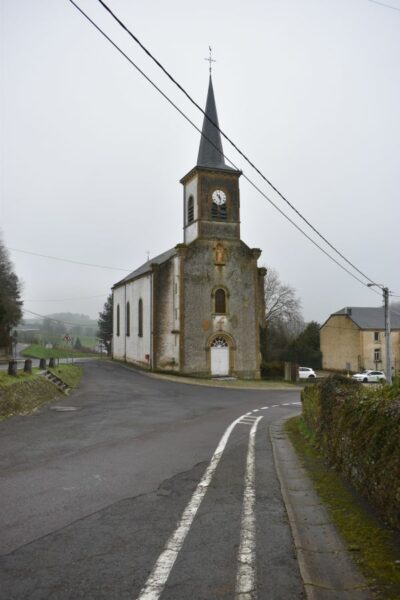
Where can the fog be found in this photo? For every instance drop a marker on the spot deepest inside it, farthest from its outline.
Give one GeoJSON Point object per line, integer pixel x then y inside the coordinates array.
{"type": "Point", "coordinates": [92, 154]}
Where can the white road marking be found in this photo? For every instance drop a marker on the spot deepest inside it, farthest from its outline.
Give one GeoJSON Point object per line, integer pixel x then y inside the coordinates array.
{"type": "Point", "coordinates": [157, 579]}
{"type": "Point", "coordinates": [246, 577]}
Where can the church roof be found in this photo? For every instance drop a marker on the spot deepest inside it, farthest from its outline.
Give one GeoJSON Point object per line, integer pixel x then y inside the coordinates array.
{"type": "Point", "coordinates": [210, 150]}
{"type": "Point", "coordinates": [146, 267]}
{"type": "Point", "coordinates": [369, 317]}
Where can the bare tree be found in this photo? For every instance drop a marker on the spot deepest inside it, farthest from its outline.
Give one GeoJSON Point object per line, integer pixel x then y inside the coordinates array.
{"type": "Point", "coordinates": [284, 321]}
{"type": "Point", "coordinates": [282, 306]}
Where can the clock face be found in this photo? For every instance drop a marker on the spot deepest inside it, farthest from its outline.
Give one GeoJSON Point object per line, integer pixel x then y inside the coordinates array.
{"type": "Point", "coordinates": [219, 197]}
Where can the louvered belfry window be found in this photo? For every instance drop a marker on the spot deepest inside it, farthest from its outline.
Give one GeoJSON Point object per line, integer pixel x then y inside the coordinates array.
{"type": "Point", "coordinates": [190, 209]}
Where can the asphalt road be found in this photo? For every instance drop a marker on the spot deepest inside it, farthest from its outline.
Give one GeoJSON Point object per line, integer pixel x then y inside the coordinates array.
{"type": "Point", "coordinates": [127, 495]}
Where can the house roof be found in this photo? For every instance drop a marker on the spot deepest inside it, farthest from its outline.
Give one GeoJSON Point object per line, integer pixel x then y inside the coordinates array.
{"type": "Point", "coordinates": [146, 267]}
{"type": "Point", "coordinates": [211, 153]}
{"type": "Point", "coordinates": [369, 317]}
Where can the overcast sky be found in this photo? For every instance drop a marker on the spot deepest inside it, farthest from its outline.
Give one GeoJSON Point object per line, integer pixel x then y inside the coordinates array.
{"type": "Point", "coordinates": [92, 154]}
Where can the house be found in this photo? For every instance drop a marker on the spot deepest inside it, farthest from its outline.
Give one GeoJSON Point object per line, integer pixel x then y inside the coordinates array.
{"type": "Point", "coordinates": [353, 338]}
{"type": "Point", "coordinates": [197, 308]}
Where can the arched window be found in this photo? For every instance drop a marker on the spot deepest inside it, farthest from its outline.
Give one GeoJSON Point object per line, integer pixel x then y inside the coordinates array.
{"type": "Point", "coordinates": [190, 210]}
{"type": "Point", "coordinates": [128, 319]}
{"type": "Point", "coordinates": [140, 318]}
{"type": "Point", "coordinates": [220, 301]}
{"type": "Point", "coordinates": [117, 319]}
{"type": "Point", "coordinates": [219, 342]}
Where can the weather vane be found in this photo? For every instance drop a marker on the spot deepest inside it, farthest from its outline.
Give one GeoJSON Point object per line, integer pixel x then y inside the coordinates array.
{"type": "Point", "coordinates": [210, 60]}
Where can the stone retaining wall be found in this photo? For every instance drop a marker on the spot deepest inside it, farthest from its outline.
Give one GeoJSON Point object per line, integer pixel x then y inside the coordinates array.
{"type": "Point", "coordinates": [358, 430]}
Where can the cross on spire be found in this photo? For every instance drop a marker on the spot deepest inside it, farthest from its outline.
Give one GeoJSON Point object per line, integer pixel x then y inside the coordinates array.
{"type": "Point", "coordinates": [210, 60]}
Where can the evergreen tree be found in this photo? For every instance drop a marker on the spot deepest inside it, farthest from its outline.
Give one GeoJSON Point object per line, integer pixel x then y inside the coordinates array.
{"type": "Point", "coordinates": [10, 299]}
{"type": "Point", "coordinates": [305, 349]}
{"type": "Point", "coordinates": [105, 324]}
{"type": "Point", "coordinates": [78, 345]}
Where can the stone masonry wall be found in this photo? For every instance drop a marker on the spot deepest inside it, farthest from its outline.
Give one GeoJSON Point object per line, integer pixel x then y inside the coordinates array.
{"type": "Point", "coordinates": [358, 430]}
{"type": "Point", "coordinates": [239, 277]}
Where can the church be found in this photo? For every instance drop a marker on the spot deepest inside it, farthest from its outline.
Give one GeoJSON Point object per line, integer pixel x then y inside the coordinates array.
{"type": "Point", "coordinates": [197, 308]}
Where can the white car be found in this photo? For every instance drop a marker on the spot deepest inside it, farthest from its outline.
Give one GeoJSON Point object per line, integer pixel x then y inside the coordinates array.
{"type": "Point", "coordinates": [370, 376]}
{"type": "Point", "coordinates": [306, 373]}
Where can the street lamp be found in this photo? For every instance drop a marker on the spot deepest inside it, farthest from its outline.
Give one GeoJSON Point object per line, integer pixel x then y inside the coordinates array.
{"type": "Point", "coordinates": [388, 343]}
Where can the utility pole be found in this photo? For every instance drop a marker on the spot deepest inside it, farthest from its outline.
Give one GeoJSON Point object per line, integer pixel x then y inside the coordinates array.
{"type": "Point", "coordinates": [388, 342]}
{"type": "Point", "coordinates": [387, 336]}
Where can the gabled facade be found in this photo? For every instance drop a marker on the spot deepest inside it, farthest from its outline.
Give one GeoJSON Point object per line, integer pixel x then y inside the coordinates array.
{"type": "Point", "coordinates": [355, 336]}
{"type": "Point", "coordinates": [197, 308]}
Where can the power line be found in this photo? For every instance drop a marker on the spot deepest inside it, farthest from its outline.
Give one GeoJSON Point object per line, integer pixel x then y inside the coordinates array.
{"type": "Point", "coordinates": [67, 299]}
{"type": "Point", "coordinates": [182, 89]}
{"type": "Point", "coordinates": [58, 320]}
{"type": "Point", "coordinates": [383, 4]}
{"type": "Point", "coordinates": [75, 262]}
{"type": "Point", "coordinates": [230, 161]}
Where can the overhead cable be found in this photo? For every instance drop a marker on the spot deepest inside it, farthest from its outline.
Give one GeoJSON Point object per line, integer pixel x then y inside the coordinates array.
{"type": "Point", "coordinates": [75, 262]}
{"type": "Point", "coordinates": [182, 89]}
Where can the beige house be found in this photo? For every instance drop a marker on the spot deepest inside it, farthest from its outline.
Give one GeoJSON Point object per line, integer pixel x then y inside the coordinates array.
{"type": "Point", "coordinates": [354, 338]}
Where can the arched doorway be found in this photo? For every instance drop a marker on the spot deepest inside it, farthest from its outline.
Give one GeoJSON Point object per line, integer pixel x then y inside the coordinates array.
{"type": "Point", "coordinates": [219, 356]}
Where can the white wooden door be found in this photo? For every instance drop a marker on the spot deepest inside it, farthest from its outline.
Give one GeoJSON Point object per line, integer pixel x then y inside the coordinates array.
{"type": "Point", "coordinates": [219, 357]}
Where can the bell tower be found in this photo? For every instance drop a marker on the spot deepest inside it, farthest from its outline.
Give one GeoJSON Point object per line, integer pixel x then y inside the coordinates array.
{"type": "Point", "coordinates": [211, 189]}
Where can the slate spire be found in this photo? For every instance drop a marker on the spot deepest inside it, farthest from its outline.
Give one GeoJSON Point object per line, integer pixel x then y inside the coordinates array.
{"type": "Point", "coordinates": [210, 154]}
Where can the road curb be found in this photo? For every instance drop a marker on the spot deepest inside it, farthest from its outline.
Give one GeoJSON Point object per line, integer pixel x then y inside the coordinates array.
{"type": "Point", "coordinates": [326, 567]}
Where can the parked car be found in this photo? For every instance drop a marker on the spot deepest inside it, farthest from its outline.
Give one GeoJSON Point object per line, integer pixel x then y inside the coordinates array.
{"type": "Point", "coordinates": [369, 376]}
{"type": "Point", "coordinates": [306, 373]}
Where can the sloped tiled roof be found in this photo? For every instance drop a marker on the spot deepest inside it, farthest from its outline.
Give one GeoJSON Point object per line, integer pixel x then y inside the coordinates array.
{"type": "Point", "coordinates": [370, 317]}
{"type": "Point", "coordinates": [146, 267]}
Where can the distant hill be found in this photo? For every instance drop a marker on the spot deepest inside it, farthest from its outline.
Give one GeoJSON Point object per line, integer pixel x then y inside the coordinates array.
{"type": "Point", "coordinates": [73, 318]}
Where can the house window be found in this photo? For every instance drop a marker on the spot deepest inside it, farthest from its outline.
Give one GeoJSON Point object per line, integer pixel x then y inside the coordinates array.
{"type": "Point", "coordinates": [117, 319]}
{"type": "Point", "coordinates": [220, 302]}
{"type": "Point", "coordinates": [140, 318]}
{"type": "Point", "coordinates": [128, 319]}
{"type": "Point", "coordinates": [377, 355]}
{"type": "Point", "coordinates": [376, 336]}
{"type": "Point", "coordinates": [190, 210]}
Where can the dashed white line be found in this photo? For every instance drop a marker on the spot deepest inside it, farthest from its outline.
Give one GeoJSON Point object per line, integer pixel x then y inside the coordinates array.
{"type": "Point", "coordinates": [246, 577]}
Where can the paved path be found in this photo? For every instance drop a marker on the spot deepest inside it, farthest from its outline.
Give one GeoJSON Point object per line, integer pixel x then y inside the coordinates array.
{"type": "Point", "coordinates": [146, 489]}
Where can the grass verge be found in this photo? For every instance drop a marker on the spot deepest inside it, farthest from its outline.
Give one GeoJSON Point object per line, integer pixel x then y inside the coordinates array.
{"type": "Point", "coordinates": [24, 393]}
{"type": "Point", "coordinates": [374, 547]}
{"type": "Point", "coordinates": [38, 351]}
{"type": "Point", "coordinates": [69, 374]}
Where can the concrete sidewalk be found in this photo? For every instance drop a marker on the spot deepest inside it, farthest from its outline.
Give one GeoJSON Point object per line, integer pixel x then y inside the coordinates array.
{"type": "Point", "coordinates": [326, 567]}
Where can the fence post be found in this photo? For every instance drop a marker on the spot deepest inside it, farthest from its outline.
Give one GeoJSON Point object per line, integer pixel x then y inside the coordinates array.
{"type": "Point", "coordinates": [12, 367]}
{"type": "Point", "coordinates": [28, 365]}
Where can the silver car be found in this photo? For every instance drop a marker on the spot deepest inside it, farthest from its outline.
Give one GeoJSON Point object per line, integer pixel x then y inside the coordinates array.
{"type": "Point", "coordinates": [370, 376]}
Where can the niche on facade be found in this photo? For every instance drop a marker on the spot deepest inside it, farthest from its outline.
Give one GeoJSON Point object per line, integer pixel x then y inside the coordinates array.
{"type": "Point", "coordinates": [219, 254]}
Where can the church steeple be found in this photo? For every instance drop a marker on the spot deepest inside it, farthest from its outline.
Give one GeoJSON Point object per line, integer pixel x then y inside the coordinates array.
{"type": "Point", "coordinates": [210, 150]}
